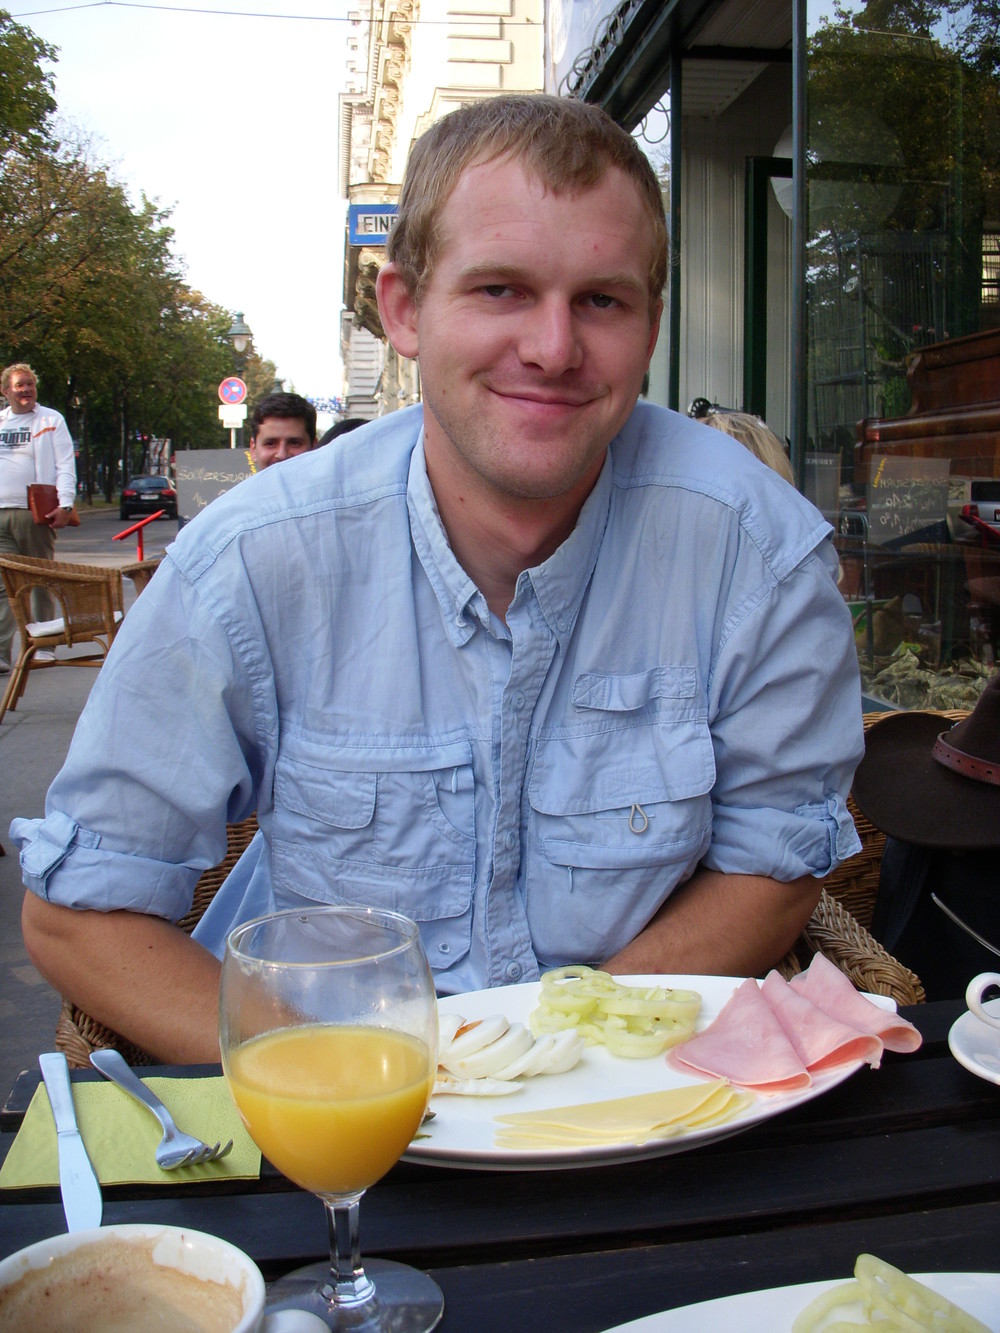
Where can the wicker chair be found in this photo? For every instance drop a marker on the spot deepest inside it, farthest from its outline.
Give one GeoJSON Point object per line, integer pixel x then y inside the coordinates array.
{"type": "Point", "coordinates": [839, 926]}
{"type": "Point", "coordinates": [141, 571]}
{"type": "Point", "coordinates": [90, 600]}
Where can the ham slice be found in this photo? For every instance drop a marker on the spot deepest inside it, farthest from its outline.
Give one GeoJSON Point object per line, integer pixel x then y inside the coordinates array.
{"type": "Point", "coordinates": [828, 989]}
{"type": "Point", "coordinates": [745, 1044]}
{"type": "Point", "coordinates": [773, 1036]}
{"type": "Point", "coordinates": [820, 1041]}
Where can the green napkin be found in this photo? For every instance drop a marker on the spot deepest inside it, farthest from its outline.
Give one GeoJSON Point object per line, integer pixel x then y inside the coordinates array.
{"type": "Point", "coordinates": [121, 1136]}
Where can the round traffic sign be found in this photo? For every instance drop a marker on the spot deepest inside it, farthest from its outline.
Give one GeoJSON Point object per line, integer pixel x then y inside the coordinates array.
{"type": "Point", "coordinates": [232, 390]}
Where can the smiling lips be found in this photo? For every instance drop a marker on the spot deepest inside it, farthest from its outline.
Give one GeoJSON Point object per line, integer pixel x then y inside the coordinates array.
{"type": "Point", "coordinates": [539, 398]}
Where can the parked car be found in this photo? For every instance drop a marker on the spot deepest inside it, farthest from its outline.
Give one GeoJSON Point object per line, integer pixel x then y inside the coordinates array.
{"type": "Point", "coordinates": [145, 495]}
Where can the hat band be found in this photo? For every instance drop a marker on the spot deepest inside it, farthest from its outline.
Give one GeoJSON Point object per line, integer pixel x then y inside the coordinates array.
{"type": "Point", "coordinates": [980, 770]}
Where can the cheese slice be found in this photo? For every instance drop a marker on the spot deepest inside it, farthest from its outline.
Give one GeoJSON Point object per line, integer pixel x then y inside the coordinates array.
{"type": "Point", "coordinates": [650, 1115]}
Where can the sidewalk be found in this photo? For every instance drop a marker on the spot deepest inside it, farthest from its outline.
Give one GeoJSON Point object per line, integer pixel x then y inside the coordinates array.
{"type": "Point", "coordinates": [33, 744]}
{"type": "Point", "coordinates": [34, 739]}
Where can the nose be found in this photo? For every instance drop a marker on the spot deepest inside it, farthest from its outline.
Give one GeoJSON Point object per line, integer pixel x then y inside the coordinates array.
{"type": "Point", "coordinates": [550, 337]}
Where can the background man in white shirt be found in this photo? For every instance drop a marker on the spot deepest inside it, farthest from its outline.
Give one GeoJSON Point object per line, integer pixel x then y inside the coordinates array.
{"type": "Point", "coordinates": [35, 445]}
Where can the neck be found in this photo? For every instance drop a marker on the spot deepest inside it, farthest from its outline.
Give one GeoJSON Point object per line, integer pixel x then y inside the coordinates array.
{"type": "Point", "coordinates": [21, 411]}
{"type": "Point", "coordinates": [495, 544]}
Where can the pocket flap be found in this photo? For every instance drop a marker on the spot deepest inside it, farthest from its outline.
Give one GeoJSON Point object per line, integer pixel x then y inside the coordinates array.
{"type": "Point", "coordinates": [625, 694]}
{"type": "Point", "coordinates": [344, 800]}
{"type": "Point", "coordinates": [575, 775]}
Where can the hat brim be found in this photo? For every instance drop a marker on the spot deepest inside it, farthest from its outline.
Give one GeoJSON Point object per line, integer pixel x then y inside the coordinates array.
{"type": "Point", "coordinates": [906, 793]}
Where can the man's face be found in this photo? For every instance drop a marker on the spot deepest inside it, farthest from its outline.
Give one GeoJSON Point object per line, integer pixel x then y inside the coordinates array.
{"type": "Point", "coordinates": [533, 333]}
{"type": "Point", "coordinates": [22, 392]}
{"type": "Point", "coordinates": [279, 438]}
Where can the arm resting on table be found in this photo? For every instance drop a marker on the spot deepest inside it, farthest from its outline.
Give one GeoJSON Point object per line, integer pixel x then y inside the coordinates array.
{"type": "Point", "coordinates": [140, 975]}
{"type": "Point", "coordinates": [722, 925]}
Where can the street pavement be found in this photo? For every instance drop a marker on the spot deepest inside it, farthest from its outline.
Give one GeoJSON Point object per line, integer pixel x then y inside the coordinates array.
{"type": "Point", "coordinates": [33, 744]}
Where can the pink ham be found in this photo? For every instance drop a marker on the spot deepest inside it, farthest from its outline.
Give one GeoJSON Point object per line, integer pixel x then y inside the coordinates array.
{"type": "Point", "coordinates": [821, 1042]}
{"type": "Point", "coordinates": [746, 1045]}
{"type": "Point", "coordinates": [829, 990]}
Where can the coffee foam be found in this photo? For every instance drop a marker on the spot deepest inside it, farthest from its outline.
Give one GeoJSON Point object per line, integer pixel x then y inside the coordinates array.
{"type": "Point", "coordinates": [116, 1285]}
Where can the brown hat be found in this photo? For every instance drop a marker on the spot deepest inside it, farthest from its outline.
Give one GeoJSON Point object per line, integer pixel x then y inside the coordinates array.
{"type": "Point", "coordinates": [934, 787]}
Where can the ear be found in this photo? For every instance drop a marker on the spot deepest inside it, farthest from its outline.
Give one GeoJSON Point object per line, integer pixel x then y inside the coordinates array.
{"type": "Point", "coordinates": [397, 310]}
{"type": "Point", "coordinates": [654, 332]}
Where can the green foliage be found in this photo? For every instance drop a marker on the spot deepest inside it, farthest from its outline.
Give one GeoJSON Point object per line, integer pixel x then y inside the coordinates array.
{"type": "Point", "coordinates": [91, 294]}
{"type": "Point", "coordinates": [26, 100]}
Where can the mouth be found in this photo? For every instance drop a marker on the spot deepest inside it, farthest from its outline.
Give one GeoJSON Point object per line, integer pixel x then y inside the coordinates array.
{"type": "Point", "coordinates": [546, 400]}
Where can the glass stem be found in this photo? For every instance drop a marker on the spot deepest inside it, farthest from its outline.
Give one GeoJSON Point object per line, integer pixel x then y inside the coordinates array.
{"type": "Point", "coordinates": [349, 1284]}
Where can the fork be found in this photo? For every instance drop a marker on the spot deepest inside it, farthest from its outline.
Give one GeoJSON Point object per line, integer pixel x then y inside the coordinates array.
{"type": "Point", "coordinates": [175, 1148]}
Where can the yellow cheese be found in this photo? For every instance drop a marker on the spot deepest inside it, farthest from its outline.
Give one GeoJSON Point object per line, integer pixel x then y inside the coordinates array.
{"type": "Point", "coordinates": [651, 1115]}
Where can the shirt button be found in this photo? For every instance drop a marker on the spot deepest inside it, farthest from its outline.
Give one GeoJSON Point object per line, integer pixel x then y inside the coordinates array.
{"type": "Point", "coordinates": [518, 700]}
{"type": "Point", "coordinates": [510, 840]}
{"type": "Point", "coordinates": [514, 971]}
{"type": "Point", "coordinates": [444, 948]}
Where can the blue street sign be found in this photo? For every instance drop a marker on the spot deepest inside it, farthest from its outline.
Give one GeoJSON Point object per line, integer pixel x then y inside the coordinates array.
{"type": "Point", "coordinates": [368, 224]}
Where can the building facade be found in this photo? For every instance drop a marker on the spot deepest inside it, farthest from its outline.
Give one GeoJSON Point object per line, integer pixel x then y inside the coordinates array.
{"type": "Point", "coordinates": [409, 63]}
{"type": "Point", "coordinates": [832, 177]}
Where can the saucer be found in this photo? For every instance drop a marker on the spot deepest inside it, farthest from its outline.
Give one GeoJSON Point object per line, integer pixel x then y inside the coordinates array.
{"type": "Point", "coordinates": [976, 1045]}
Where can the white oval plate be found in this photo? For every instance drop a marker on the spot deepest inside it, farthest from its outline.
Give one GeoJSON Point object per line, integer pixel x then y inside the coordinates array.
{"type": "Point", "coordinates": [462, 1132]}
{"type": "Point", "coordinates": [774, 1310]}
{"type": "Point", "coordinates": [976, 1045]}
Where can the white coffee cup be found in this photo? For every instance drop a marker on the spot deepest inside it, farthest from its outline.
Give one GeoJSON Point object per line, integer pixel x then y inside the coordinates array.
{"type": "Point", "coordinates": [218, 1280]}
{"type": "Point", "coordinates": [974, 993]}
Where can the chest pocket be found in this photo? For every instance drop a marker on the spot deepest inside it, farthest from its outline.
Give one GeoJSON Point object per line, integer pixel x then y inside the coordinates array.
{"type": "Point", "coordinates": [396, 829]}
{"type": "Point", "coordinates": [620, 811]}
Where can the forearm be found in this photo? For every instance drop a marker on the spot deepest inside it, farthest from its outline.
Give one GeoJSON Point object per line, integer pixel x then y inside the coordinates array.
{"type": "Point", "coordinates": [723, 925]}
{"type": "Point", "coordinates": [65, 460]}
{"type": "Point", "coordinates": [139, 975]}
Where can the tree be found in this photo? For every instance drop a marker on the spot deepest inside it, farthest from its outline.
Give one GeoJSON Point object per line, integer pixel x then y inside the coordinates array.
{"type": "Point", "coordinates": [91, 293]}
{"type": "Point", "coordinates": [26, 100]}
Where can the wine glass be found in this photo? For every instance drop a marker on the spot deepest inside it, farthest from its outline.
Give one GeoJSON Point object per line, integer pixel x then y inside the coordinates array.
{"type": "Point", "coordinates": [328, 1029]}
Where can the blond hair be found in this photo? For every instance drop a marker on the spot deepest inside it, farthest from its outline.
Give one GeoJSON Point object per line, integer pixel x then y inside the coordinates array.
{"type": "Point", "coordinates": [19, 367]}
{"type": "Point", "coordinates": [566, 143]}
{"type": "Point", "coordinates": [758, 438]}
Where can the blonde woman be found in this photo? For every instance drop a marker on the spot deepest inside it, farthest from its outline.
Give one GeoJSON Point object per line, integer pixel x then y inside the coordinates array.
{"type": "Point", "coordinates": [758, 438]}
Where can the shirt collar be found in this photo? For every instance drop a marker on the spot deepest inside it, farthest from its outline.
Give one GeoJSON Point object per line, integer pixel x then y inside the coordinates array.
{"type": "Point", "coordinates": [558, 583]}
{"type": "Point", "coordinates": [455, 591]}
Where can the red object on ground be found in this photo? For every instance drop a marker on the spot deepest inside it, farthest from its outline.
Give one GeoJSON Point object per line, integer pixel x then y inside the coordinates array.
{"type": "Point", "coordinates": [138, 527]}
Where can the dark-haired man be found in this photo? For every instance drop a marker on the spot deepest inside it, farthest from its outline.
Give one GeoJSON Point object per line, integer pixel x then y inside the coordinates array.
{"type": "Point", "coordinates": [282, 426]}
{"type": "Point", "coordinates": [561, 676]}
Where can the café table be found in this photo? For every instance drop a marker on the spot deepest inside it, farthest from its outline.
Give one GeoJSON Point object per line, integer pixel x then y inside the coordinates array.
{"type": "Point", "coordinates": [903, 1162]}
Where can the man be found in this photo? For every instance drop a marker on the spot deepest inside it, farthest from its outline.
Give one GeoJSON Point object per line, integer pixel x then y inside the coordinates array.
{"type": "Point", "coordinates": [562, 677]}
{"type": "Point", "coordinates": [35, 445]}
{"type": "Point", "coordinates": [282, 426]}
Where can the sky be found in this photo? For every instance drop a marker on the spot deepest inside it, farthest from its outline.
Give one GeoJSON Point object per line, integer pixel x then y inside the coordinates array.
{"type": "Point", "coordinates": [226, 113]}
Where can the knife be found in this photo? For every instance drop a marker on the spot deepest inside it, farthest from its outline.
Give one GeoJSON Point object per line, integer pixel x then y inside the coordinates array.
{"type": "Point", "coordinates": [81, 1192]}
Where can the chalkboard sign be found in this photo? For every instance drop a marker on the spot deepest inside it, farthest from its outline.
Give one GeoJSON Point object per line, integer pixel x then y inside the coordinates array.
{"type": "Point", "coordinates": [907, 498]}
{"type": "Point", "coordinates": [204, 474]}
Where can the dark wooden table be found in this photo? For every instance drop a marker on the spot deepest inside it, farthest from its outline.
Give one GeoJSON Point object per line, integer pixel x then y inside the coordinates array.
{"type": "Point", "coordinates": [903, 1162]}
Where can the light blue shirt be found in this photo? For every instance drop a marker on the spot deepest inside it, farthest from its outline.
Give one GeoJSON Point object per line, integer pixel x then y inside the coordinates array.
{"type": "Point", "coordinates": [677, 685]}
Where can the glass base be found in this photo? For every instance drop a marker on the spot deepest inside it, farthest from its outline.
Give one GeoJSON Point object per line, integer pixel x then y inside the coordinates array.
{"type": "Point", "coordinates": [405, 1300]}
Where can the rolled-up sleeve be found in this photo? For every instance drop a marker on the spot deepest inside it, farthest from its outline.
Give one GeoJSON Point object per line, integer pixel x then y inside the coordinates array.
{"type": "Point", "coordinates": [786, 722]}
{"type": "Point", "coordinates": [165, 754]}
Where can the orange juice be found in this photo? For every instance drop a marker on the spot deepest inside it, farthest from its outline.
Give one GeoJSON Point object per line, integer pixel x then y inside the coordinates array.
{"type": "Point", "coordinates": [332, 1107]}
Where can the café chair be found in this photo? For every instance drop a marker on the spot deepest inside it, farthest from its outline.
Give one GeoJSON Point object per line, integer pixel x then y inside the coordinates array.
{"type": "Point", "coordinates": [141, 571]}
{"type": "Point", "coordinates": [89, 598]}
